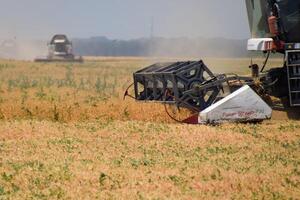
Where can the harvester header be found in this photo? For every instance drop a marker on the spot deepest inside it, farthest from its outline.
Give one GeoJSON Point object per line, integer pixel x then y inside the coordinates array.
{"type": "Point", "coordinates": [215, 98]}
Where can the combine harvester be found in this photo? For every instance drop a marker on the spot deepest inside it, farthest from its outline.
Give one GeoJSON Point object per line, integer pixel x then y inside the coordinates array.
{"type": "Point", "coordinates": [217, 98]}
{"type": "Point", "coordinates": [60, 49]}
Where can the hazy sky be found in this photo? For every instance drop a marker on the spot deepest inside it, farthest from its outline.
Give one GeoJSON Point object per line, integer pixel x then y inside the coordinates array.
{"type": "Point", "coordinates": [123, 19]}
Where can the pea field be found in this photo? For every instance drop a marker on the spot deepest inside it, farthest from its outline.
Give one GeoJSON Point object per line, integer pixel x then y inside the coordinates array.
{"type": "Point", "coordinates": [67, 133]}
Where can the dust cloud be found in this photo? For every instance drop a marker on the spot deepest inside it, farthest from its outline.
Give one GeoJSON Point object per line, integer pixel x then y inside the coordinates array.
{"type": "Point", "coordinates": [22, 49]}
{"type": "Point", "coordinates": [198, 47]}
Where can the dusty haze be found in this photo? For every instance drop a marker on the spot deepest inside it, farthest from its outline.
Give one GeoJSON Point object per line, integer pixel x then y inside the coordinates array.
{"type": "Point", "coordinates": [34, 20]}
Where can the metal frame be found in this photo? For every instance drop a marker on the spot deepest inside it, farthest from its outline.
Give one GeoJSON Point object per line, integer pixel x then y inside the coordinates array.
{"type": "Point", "coordinates": [187, 84]}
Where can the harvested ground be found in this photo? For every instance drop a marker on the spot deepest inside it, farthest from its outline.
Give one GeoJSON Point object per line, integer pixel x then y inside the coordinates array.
{"type": "Point", "coordinates": [66, 133]}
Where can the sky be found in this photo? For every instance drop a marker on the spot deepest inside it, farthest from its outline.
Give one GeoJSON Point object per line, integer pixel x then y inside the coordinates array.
{"type": "Point", "coordinates": [123, 19]}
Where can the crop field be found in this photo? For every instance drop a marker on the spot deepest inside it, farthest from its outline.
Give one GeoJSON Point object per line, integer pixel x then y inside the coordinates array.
{"type": "Point", "coordinates": [67, 133]}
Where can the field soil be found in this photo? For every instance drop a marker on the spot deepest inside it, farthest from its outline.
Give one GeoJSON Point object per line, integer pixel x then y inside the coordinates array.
{"type": "Point", "coordinates": [67, 133]}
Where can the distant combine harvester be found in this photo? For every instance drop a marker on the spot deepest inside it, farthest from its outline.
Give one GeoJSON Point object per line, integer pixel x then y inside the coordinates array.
{"type": "Point", "coordinates": [60, 49]}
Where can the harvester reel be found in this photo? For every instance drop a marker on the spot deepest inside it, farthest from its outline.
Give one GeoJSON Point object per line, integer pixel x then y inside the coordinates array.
{"type": "Point", "coordinates": [175, 79]}
{"type": "Point", "coordinates": [177, 113]}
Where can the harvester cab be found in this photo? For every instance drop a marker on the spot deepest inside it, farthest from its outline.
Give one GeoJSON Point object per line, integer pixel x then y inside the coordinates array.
{"type": "Point", "coordinates": [60, 49]}
{"type": "Point", "coordinates": [276, 22]}
{"type": "Point", "coordinates": [216, 98]}
{"type": "Point", "coordinates": [60, 46]}
{"type": "Point", "coordinates": [275, 27]}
